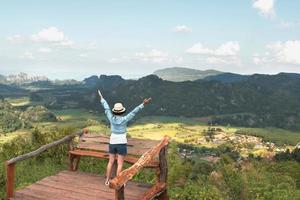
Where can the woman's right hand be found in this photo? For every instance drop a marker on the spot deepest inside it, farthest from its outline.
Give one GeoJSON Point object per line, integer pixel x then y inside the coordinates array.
{"type": "Point", "coordinates": [147, 101]}
{"type": "Point", "coordinates": [100, 95]}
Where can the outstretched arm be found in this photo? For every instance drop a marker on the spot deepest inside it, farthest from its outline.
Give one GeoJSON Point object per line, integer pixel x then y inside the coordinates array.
{"type": "Point", "coordinates": [105, 106]}
{"type": "Point", "coordinates": [131, 115]}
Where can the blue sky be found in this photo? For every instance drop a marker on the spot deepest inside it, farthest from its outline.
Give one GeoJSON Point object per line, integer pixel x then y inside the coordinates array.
{"type": "Point", "coordinates": [75, 39]}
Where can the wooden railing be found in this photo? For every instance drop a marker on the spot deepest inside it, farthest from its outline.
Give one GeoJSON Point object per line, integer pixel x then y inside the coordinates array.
{"type": "Point", "coordinates": [159, 189]}
{"type": "Point", "coordinates": [11, 164]}
{"type": "Point", "coordinates": [147, 160]}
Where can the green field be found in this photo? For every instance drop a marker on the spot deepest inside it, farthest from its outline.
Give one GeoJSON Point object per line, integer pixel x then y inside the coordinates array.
{"type": "Point", "coordinates": [188, 179]}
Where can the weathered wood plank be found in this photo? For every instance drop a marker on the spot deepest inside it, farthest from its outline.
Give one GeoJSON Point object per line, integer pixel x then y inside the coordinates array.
{"type": "Point", "coordinates": [132, 150]}
{"type": "Point", "coordinates": [143, 143]}
{"type": "Point", "coordinates": [128, 158]}
{"type": "Point", "coordinates": [69, 185]}
{"type": "Point", "coordinates": [127, 174]}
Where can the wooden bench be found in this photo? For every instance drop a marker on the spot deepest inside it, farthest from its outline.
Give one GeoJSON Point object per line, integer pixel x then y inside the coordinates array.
{"type": "Point", "coordinates": [141, 154]}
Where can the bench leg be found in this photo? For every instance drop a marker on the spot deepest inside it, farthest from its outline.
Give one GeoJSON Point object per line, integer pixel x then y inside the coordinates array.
{"type": "Point", "coordinates": [73, 162]}
{"type": "Point", "coordinates": [77, 160]}
{"type": "Point", "coordinates": [163, 196]}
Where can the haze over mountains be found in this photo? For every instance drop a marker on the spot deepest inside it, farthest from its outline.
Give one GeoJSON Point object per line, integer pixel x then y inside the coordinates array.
{"type": "Point", "coordinates": [175, 74]}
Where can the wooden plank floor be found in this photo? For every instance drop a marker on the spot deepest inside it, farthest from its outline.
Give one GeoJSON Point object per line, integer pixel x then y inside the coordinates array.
{"type": "Point", "coordinates": [78, 186]}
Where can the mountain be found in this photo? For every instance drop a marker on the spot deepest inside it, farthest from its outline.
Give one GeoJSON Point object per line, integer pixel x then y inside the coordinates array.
{"type": "Point", "coordinates": [2, 79]}
{"type": "Point", "coordinates": [232, 77]}
{"type": "Point", "coordinates": [226, 77]}
{"type": "Point", "coordinates": [10, 91]}
{"type": "Point", "coordinates": [178, 74]}
{"type": "Point", "coordinates": [259, 101]}
{"type": "Point", "coordinates": [104, 81]}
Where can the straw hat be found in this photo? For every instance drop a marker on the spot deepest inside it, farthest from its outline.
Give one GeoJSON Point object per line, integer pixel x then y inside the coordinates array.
{"type": "Point", "coordinates": [118, 108]}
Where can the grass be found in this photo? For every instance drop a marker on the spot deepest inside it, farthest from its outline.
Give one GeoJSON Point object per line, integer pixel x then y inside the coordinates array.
{"type": "Point", "coordinates": [276, 135]}
{"type": "Point", "coordinates": [11, 136]}
{"type": "Point", "coordinates": [16, 102]}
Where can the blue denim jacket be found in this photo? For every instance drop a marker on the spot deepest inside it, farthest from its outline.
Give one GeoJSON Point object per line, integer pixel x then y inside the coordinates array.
{"type": "Point", "coordinates": [118, 124]}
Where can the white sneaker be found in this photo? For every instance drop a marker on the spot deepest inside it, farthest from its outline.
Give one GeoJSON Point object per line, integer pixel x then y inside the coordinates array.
{"type": "Point", "coordinates": [107, 183]}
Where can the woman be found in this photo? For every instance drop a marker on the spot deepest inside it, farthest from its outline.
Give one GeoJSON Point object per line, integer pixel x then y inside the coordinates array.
{"type": "Point", "coordinates": [118, 140]}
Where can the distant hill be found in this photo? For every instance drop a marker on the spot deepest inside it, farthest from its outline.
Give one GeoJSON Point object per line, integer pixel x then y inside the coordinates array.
{"type": "Point", "coordinates": [227, 77]}
{"type": "Point", "coordinates": [178, 74]}
{"type": "Point", "coordinates": [232, 77]}
{"type": "Point", "coordinates": [10, 91]}
{"type": "Point", "coordinates": [23, 78]}
{"type": "Point", "coordinates": [2, 79]}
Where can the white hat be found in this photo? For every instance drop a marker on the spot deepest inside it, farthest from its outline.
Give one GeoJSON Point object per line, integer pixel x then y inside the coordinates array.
{"type": "Point", "coordinates": [118, 108]}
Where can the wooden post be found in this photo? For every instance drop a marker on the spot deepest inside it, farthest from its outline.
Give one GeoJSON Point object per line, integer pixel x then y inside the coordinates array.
{"type": "Point", "coordinates": [10, 184]}
{"type": "Point", "coordinates": [119, 194]}
{"type": "Point", "coordinates": [163, 168]}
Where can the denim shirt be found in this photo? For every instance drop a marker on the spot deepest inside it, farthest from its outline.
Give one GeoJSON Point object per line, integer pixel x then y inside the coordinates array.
{"type": "Point", "coordinates": [118, 124]}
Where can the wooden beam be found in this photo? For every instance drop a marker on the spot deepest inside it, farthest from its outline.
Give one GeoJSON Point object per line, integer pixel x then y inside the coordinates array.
{"type": "Point", "coordinates": [154, 191]}
{"type": "Point", "coordinates": [163, 165]}
{"type": "Point", "coordinates": [163, 168]}
{"type": "Point", "coordinates": [43, 148]}
{"type": "Point", "coordinates": [10, 177]}
{"type": "Point", "coordinates": [145, 159]}
{"type": "Point", "coordinates": [119, 194]}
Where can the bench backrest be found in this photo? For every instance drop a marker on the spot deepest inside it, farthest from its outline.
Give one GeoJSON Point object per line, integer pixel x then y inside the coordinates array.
{"type": "Point", "coordinates": [97, 142]}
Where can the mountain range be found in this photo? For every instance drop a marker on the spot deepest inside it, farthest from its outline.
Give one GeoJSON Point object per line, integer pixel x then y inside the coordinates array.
{"type": "Point", "coordinates": [257, 100]}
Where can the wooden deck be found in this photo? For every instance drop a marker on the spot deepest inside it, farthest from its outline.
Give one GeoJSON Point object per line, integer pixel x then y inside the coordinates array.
{"type": "Point", "coordinates": [84, 186]}
{"type": "Point", "coordinates": [77, 185]}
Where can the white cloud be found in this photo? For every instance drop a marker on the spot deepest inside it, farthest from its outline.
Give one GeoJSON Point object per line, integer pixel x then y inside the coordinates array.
{"type": "Point", "coordinates": [230, 48]}
{"type": "Point", "coordinates": [83, 55]}
{"type": "Point", "coordinates": [15, 39]}
{"type": "Point", "coordinates": [265, 7]}
{"type": "Point", "coordinates": [182, 29]}
{"type": "Point", "coordinates": [223, 60]}
{"type": "Point", "coordinates": [287, 52]}
{"type": "Point", "coordinates": [52, 35]}
{"type": "Point", "coordinates": [155, 56]}
{"type": "Point", "coordinates": [28, 56]}
{"type": "Point", "coordinates": [152, 56]}
{"type": "Point", "coordinates": [44, 50]}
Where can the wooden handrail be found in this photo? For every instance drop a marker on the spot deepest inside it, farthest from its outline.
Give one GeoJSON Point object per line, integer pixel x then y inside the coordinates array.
{"type": "Point", "coordinates": [43, 148]}
{"type": "Point", "coordinates": [154, 191]}
{"type": "Point", "coordinates": [145, 159]}
{"type": "Point", "coordinates": [10, 164]}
